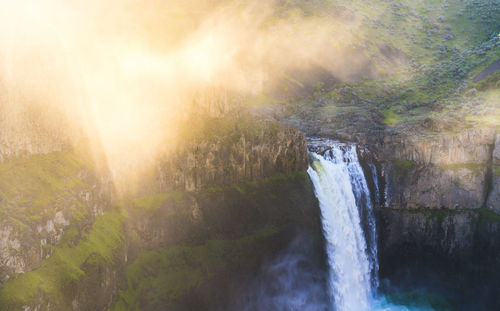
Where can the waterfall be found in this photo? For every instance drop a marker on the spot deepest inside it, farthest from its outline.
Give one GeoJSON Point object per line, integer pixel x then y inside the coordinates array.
{"type": "Point", "coordinates": [344, 199]}
{"type": "Point", "coordinates": [386, 187]}
{"type": "Point", "coordinates": [376, 189]}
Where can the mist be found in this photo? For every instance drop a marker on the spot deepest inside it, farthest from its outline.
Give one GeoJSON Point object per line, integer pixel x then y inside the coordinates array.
{"type": "Point", "coordinates": [294, 280]}
{"type": "Point", "coordinates": [125, 74]}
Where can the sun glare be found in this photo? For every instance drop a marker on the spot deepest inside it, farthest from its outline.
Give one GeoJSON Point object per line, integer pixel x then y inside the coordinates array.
{"type": "Point", "coordinates": [126, 72]}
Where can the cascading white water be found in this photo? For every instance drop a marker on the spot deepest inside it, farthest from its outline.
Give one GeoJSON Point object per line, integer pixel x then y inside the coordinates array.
{"type": "Point", "coordinates": [339, 184]}
{"type": "Point", "coordinates": [346, 208]}
{"type": "Point", "coordinates": [373, 169]}
{"type": "Point", "coordinates": [365, 208]}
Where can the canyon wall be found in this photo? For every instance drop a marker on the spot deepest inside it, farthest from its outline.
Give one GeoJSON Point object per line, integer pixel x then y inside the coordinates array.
{"type": "Point", "coordinates": [218, 204]}
{"type": "Point", "coordinates": [68, 243]}
{"type": "Point", "coordinates": [43, 196]}
{"type": "Point", "coordinates": [439, 212]}
{"type": "Point", "coordinates": [450, 175]}
{"type": "Point", "coordinates": [240, 155]}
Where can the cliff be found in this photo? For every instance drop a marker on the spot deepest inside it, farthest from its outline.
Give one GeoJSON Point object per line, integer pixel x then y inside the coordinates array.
{"type": "Point", "coordinates": [448, 171]}
{"type": "Point", "coordinates": [438, 213]}
{"type": "Point", "coordinates": [222, 152]}
{"type": "Point", "coordinates": [234, 196]}
{"type": "Point", "coordinates": [451, 252]}
{"type": "Point", "coordinates": [194, 250]}
{"type": "Point", "coordinates": [29, 127]}
{"type": "Point", "coordinates": [43, 196]}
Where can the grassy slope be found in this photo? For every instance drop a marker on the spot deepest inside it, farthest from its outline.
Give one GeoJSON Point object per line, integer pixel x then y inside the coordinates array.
{"type": "Point", "coordinates": [449, 43]}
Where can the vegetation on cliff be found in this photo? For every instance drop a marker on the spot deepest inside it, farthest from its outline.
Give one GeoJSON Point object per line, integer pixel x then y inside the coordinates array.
{"type": "Point", "coordinates": [230, 230]}
{"type": "Point", "coordinates": [63, 269]}
{"type": "Point", "coordinates": [231, 190]}
{"type": "Point", "coordinates": [160, 279]}
{"type": "Point", "coordinates": [32, 188]}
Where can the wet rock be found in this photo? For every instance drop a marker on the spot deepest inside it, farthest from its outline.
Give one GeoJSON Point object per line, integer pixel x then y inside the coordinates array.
{"type": "Point", "coordinates": [496, 151]}
{"type": "Point", "coordinates": [446, 232]}
{"type": "Point", "coordinates": [493, 202]}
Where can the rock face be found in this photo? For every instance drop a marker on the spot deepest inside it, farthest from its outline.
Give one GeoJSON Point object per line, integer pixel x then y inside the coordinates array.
{"type": "Point", "coordinates": [411, 185]}
{"type": "Point", "coordinates": [471, 145]}
{"type": "Point", "coordinates": [57, 203]}
{"type": "Point", "coordinates": [444, 171]}
{"type": "Point", "coordinates": [69, 195]}
{"type": "Point", "coordinates": [496, 151]}
{"type": "Point", "coordinates": [493, 202]}
{"type": "Point", "coordinates": [439, 193]}
{"type": "Point", "coordinates": [98, 288]}
{"type": "Point", "coordinates": [164, 220]}
{"type": "Point", "coordinates": [213, 223]}
{"type": "Point", "coordinates": [448, 233]}
{"type": "Point", "coordinates": [29, 128]}
{"type": "Point", "coordinates": [450, 170]}
{"type": "Point", "coordinates": [458, 248]}
{"type": "Point", "coordinates": [233, 159]}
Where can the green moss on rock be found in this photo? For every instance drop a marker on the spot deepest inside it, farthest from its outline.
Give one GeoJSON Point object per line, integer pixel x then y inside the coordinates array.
{"type": "Point", "coordinates": [488, 215]}
{"type": "Point", "coordinates": [64, 266]}
{"type": "Point", "coordinates": [403, 165]}
{"type": "Point", "coordinates": [34, 186]}
{"type": "Point", "coordinates": [476, 168]}
{"type": "Point", "coordinates": [390, 117]}
{"type": "Point", "coordinates": [434, 213]}
{"type": "Point", "coordinates": [496, 170]}
{"type": "Point", "coordinates": [230, 129]}
{"type": "Point", "coordinates": [151, 203]}
{"type": "Point", "coordinates": [160, 278]}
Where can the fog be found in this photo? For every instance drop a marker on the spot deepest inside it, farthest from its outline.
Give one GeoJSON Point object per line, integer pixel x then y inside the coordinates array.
{"type": "Point", "coordinates": [293, 281]}
{"type": "Point", "coordinates": [125, 74]}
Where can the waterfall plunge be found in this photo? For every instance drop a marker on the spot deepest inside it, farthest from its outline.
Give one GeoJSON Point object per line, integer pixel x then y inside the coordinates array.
{"type": "Point", "coordinates": [340, 185]}
{"type": "Point", "coordinates": [289, 283]}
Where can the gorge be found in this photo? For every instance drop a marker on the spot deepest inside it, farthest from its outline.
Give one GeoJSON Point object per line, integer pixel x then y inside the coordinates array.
{"type": "Point", "coordinates": [227, 155]}
{"type": "Point", "coordinates": [255, 245]}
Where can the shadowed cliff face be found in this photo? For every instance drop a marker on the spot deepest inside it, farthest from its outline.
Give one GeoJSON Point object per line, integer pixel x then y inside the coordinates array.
{"type": "Point", "coordinates": [202, 250]}
{"type": "Point", "coordinates": [454, 253]}
{"type": "Point", "coordinates": [241, 197]}
{"type": "Point", "coordinates": [438, 230]}
{"type": "Point", "coordinates": [411, 185]}
{"type": "Point", "coordinates": [493, 202]}
{"type": "Point", "coordinates": [453, 171]}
